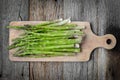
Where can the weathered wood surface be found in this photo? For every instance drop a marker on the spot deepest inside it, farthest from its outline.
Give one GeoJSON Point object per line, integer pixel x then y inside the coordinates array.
{"type": "Point", "coordinates": [82, 10]}
{"type": "Point", "coordinates": [11, 10]}
{"type": "Point", "coordinates": [46, 10]}
{"type": "Point", "coordinates": [104, 16]}
{"type": "Point", "coordinates": [111, 24]}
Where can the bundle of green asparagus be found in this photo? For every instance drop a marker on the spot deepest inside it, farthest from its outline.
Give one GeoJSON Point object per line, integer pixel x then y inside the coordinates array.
{"type": "Point", "coordinates": [51, 38]}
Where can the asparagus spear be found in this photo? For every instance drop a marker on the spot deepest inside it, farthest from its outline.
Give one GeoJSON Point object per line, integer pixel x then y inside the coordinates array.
{"type": "Point", "coordinates": [30, 26]}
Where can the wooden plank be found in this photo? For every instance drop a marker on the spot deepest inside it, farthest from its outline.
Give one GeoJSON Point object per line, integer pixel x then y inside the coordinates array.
{"type": "Point", "coordinates": [9, 11]}
{"type": "Point", "coordinates": [109, 21]}
{"type": "Point", "coordinates": [82, 10]}
{"type": "Point", "coordinates": [46, 10]}
{"type": "Point", "coordinates": [102, 60]}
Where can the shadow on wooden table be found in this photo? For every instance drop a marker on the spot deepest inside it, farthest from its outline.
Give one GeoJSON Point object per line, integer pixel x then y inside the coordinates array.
{"type": "Point", "coordinates": [115, 30]}
{"type": "Point", "coordinates": [113, 67]}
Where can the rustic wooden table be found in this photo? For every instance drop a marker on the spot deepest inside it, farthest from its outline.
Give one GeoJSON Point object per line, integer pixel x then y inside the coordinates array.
{"type": "Point", "coordinates": [104, 16]}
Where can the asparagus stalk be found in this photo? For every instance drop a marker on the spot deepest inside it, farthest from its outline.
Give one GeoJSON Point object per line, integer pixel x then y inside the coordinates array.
{"type": "Point", "coordinates": [28, 27]}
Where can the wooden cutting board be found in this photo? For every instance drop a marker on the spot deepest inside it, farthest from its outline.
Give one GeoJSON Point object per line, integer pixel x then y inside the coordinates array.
{"type": "Point", "coordinates": [91, 41]}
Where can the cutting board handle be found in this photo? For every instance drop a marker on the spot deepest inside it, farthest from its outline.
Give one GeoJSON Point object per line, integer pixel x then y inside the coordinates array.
{"type": "Point", "coordinates": [92, 41]}
{"type": "Point", "coordinates": [107, 41]}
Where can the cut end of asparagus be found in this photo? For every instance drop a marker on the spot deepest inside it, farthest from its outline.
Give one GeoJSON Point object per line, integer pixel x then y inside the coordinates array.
{"type": "Point", "coordinates": [77, 45]}
{"type": "Point", "coordinates": [63, 22]}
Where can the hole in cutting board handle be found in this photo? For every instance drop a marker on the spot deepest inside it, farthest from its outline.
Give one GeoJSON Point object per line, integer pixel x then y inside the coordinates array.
{"type": "Point", "coordinates": [108, 41]}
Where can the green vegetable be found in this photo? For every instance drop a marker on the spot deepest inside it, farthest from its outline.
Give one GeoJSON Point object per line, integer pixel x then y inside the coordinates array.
{"type": "Point", "coordinates": [52, 38]}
